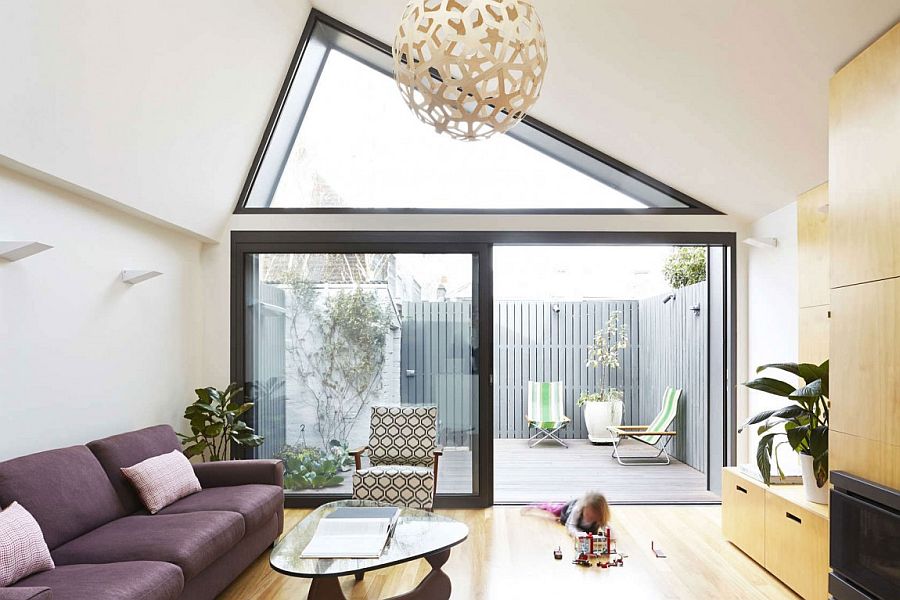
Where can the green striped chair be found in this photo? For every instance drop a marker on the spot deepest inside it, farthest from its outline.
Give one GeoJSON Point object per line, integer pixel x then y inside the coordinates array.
{"type": "Point", "coordinates": [546, 412]}
{"type": "Point", "coordinates": [649, 434]}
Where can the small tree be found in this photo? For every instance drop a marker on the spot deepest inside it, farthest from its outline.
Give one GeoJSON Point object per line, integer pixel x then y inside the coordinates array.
{"type": "Point", "coordinates": [685, 266]}
{"type": "Point", "coordinates": [604, 352]}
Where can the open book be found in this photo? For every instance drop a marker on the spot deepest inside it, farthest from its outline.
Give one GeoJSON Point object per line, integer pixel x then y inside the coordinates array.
{"type": "Point", "coordinates": [352, 532]}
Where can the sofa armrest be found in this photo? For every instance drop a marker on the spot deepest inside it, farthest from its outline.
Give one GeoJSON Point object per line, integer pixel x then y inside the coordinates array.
{"type": "Point", "coordinates": [25, 593]}
{"type": "Point", "coordinates": [239, 472]}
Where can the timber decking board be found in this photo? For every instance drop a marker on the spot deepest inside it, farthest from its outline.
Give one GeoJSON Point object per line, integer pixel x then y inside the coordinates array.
{"type": "Point", "coordinates": [550, 472]}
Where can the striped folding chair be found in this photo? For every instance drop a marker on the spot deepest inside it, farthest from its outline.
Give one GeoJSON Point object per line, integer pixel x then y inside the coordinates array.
{"type": "Point", "coordinates": [546, 411]}
{"type": "Point", "coordinates": [649, 434]}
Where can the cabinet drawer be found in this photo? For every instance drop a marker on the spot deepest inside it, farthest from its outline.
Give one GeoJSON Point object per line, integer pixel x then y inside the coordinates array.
{"type": "Point", "coordinates": [743, 515]}
{"type": "Point", "coordinates": [797, 547]}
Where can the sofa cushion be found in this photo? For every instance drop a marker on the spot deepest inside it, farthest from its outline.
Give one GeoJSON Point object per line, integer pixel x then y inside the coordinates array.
{"type": "Point", "coordinates": [113, 581]}
{"type": "Point", "coordinates": [23, 550]}
{"type": "Point", "coordinates": [191, 540]}
{"type": "Point", "coordinates": [163, 479]}
{"type": "Point", "coordinates": [256, 503]}
{"type": "Point", "coordinates": [65, 490]}
{"type": "Point", "coordinates": [127, 449]}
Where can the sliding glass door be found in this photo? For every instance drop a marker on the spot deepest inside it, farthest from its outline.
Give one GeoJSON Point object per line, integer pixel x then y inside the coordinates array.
{"type": "Point", "coordinates": [328, 334]}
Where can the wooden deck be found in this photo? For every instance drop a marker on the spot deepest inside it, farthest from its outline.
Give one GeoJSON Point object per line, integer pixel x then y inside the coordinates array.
{"type": "Point", "coordinates": [550, 472]}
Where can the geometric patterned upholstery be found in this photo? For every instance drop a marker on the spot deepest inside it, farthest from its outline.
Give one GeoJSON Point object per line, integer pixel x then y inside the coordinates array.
{"type": "Point", "coordinates": [404, 485]}
{"type": "Point", "coordinates": [403, 435]}
{"type": "Point", "coordinates": [402, 441]}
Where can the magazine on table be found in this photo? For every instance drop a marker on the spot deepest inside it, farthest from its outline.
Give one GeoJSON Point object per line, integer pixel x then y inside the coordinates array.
{"type": "Point", "coordinates": [352, 532]}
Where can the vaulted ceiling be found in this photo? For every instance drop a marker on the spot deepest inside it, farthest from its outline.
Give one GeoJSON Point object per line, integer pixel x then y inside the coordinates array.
{"type": "Point", "coordinates": [158, 107]}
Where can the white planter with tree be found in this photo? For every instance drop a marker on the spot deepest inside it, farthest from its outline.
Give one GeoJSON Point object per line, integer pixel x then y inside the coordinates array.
{"type": "Point", "coordinates": [604, 407]}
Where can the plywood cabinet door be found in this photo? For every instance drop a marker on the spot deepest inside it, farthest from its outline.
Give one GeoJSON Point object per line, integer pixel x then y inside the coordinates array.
{"type": "Point", "coordinates": [797, 547]}
{"type": "Point", "coordinates": [743, 515]}
{"type": "Point", "coordinates": [814, 333]}
{"type": "Point", "coordinates": [814, 274]}
{"type": "Point", "coordinates": [865, 354]}
{"type": "Point", "coordinates": [863, 173]}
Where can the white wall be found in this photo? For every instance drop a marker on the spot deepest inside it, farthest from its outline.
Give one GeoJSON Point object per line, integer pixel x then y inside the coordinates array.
{"type": "Point", "coordinates": [84, 355]}
{"type": "Point", "coordinates": [772, 309]}
{"type": "Point", "coordinates": [155, 106]}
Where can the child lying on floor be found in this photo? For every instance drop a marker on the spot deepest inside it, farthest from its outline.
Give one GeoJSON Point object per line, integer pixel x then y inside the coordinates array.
{"type": "Point", "coordinates": [590, 513]}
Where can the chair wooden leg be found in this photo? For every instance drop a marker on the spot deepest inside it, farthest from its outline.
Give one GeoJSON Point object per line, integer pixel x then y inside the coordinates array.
{"type": "Point", "coordinates": [434, 489]}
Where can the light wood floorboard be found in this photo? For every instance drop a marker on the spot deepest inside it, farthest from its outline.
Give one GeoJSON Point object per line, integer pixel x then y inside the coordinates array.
{"type": "Point", "coordinates": [509, 556]}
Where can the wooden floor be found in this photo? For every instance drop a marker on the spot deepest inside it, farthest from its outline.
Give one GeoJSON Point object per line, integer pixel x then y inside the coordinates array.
{"type": "Point", "coordinates": [509, 556]}
{"type": "Point", "coordinates": [550, 472]}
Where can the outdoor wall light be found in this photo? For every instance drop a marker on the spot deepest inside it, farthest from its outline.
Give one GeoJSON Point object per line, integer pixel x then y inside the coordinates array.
{"type": "Point", "coordinates": [668, 298]}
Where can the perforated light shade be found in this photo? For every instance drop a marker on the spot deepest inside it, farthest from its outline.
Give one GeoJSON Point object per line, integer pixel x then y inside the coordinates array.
{"type": "Point", "coordinates": [470, 68]}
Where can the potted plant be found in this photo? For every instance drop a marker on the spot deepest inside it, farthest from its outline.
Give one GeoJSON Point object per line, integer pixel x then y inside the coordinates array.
{"type": "Point", "coordinates": [216, 425]}
{"type": "Point", "coordinates": [604, 407]}
{"type": "Point", "coordinates": [803, 422]}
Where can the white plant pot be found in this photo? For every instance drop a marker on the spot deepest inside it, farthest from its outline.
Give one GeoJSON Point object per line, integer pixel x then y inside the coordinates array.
{"type": "Point", "coordinates": [600, 415]}
{"type": "Point", "coordinates": [814, 493]}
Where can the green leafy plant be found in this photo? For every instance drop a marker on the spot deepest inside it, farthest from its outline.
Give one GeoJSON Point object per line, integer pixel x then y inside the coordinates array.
{"type": "Point", "coordinates": [606, 395]}
{"type": "Point", "coordinates": [685, 266]}
{"type": "Point", "coordinates": [604, 352]}
{"type": "Point", "coordinates": [306, 467]}
{"type": "Point", "coordinates": [804, 420]}
{"type": "Point", "coordinates": [216, 425]}
{"type": "Point", "coordinates": [340, 452]}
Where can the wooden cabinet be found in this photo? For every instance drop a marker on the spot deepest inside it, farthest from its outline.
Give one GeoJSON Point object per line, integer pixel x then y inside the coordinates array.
{"type": "Point", "coordinates": [863, 178]}
{"type": "Point", "coordinates": [797, 546]}
{"type": "Point", "coordinates": [814, 334]}
{"type": "Point", "coordinates": [865, 348]}
{"type": "Point", "coordinates": [813, 253]}
{"type": "Point", "coordinates": [779, 529]}
{"type": "Point", "coordinates": [744, 515]}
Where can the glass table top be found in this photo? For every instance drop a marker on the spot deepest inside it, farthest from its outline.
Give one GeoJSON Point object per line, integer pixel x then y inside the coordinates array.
{"type": "Point", "coordinates": [416, 534]}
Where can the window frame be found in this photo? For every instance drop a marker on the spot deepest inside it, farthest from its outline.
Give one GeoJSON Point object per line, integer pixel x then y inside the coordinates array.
{"type": "Point", "coordinates": [691, 206]}
{"type": "Point", "coordinates": [721, 443]}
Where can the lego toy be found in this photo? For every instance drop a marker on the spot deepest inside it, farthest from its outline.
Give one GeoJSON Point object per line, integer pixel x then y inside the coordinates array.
{"type": "Point", "coordinates": [593, 545]}
{"type": "Point", "coordinates": [557, 554]}
{"type": "Point", "coordinates": [598, 546]}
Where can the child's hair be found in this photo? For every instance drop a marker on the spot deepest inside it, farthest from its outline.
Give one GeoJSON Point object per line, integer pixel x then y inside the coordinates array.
{"type": "Point", "coordinates": [597, 501]}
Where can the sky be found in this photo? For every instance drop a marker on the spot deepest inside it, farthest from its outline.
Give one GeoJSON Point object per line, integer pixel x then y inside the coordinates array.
{"type": "Point", "coordinates": [360, 145]}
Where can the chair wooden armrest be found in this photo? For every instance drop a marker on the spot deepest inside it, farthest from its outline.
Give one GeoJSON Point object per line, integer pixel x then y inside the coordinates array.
{"type": "Point", "coordinates": [357, 456]}
{"type": "Point", "coordinates": [438, 451]}
{"type": "Point", "coordinates": [629, 427]}
{"type": "Point", "coordinates": [641, 432]}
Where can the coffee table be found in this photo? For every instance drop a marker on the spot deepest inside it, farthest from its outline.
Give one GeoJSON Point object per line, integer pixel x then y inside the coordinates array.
{"type": "Point", "coordinates": [418, 534]}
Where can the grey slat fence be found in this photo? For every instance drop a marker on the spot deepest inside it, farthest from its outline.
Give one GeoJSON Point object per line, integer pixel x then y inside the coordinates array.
{"type": "Point", "coordinates": [675, 354]}
{"type": "Point", "coordinates": [437, 366]}
{"type": "Point", "coordinates": [549, 341]}
{"type": "Point", "coordinates": [269, 369]}
{"type": "Point", "coordinates": [538, 341]}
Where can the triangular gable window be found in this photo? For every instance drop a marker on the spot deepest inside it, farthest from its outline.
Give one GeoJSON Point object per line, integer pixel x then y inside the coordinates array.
{"type": "Point", "coordinates": [341, 139]}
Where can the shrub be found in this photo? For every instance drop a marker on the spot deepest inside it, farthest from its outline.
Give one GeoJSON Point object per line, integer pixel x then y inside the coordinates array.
{"type": "Point", "coordinates": [306, 468]}
{"type": "Point", "coordinates": [685, 266]}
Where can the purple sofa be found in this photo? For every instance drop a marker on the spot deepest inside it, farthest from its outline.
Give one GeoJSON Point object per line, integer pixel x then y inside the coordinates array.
{"type": "Point", "coordinates": [106, 546]}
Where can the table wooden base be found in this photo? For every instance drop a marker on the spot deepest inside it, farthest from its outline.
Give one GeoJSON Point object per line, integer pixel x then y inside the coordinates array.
{"type": "Point", "coordinates": [435, 586]}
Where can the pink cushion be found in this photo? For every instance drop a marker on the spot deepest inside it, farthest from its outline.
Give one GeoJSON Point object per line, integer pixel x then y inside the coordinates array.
{"type": "Point", "coordinates": [23, 550]}
{"type": "Point", "coordinates": [163, 479]}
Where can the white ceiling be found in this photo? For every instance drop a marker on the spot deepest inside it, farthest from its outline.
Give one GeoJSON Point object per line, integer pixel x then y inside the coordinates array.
{"type": "Point", "coordinates": [725, 100]}
{"type": "Point", "coordinates": [157, 108]}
